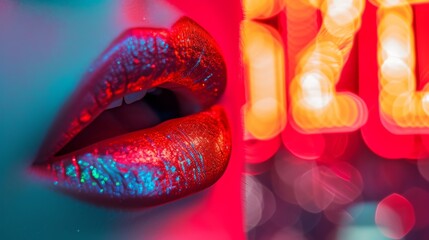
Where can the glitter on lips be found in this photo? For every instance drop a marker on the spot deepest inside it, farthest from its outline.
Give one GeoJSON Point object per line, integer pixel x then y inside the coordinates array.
{"type": "Point", "coordinates": [150, 166]}
{"type": "Point", "coordinates": [155, 165]}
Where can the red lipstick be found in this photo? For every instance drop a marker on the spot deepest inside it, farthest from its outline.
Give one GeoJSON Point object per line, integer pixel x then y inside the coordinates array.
{"type": "Point", "coordinates": [154, 165]}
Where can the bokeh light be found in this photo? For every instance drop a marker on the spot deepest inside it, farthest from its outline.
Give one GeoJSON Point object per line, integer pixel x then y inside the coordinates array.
{"type": "Point", "coordinates": [257, 151]}
{"type": "Point", "coordinates": [260, 203]}
{"type": "Point", "coordinates": [403, 110]}
{"type": "Point", "coordinates": [362, 225]}
{"type": "Point", "coordinates": [395, 216]}
{"type": "Point", "coordinates": [264, 61]}
{"type": "Point", "coordinates": [316, 107]}
{"type": "Point", "coordinates": [423, 166]}
{"type": "Point", "coordinates": [256, 9]}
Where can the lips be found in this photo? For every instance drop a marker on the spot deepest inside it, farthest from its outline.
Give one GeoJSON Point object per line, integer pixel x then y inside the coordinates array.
{"type": "Point", "coordinates": [154, 165]}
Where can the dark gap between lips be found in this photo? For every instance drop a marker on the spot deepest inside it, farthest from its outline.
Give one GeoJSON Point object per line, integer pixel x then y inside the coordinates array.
{"type": "Point", "coordinates": [157, 106]}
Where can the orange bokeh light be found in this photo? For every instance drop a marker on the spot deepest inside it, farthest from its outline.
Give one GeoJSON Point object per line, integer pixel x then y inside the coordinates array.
{"type": "Point", "coordinates": [316, 107]}
{"type": "Point", "coordinates": [265, 112]}
{"type": "Point", "coordinates": [403, 110]}
{"type": "Point", "coordinates": [257, 9]}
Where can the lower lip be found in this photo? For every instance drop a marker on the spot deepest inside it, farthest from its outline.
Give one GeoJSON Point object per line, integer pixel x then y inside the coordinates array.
{"type": "Point", "coordinates": [147, 167]}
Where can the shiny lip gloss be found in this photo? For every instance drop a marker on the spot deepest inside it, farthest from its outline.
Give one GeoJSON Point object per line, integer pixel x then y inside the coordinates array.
{"type": "Point", "coordinates": [151, 166]}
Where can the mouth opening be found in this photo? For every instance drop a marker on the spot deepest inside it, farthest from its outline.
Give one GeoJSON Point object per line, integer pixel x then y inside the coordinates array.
{"type": "Point", "coordinates": [131, 113]}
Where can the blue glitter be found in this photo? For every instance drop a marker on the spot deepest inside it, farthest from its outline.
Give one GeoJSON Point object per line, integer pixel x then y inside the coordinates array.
{"type": "Point", "coordinates": [95, 174]}
{"type": "Point", "coordinates": [208, 77]}
{"type": "Point", "coordinates": [183, 166]}
{"type": "Point", "coordinates": [197, 63]}
{"type": "Point", "coordinates": [101, 175]}
{"type": "Point", "coordinates": [71, 171]}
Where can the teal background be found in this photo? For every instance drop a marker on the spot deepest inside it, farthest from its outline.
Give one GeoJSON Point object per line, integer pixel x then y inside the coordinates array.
{"type": "Point", "coordinates": [45, 48]}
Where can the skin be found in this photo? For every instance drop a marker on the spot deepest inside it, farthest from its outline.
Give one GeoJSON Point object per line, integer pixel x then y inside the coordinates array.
{"type": "Point", "coordinates": [45, 48]}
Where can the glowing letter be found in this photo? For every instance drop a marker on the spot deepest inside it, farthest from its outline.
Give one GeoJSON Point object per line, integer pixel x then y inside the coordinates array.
{"type": "Point", "coordinates": [264, 64]}
{"type": "Point", "coordinates": [316, 107]}
{"type": "Point", "coordinates": [403, 110]}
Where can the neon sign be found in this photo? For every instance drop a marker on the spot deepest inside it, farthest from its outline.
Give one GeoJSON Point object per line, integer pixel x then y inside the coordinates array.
{"type": "Point", "coordinates": [387, 104]}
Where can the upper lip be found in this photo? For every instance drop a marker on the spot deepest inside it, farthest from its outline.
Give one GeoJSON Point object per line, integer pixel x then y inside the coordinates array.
{"type": "Point", "coordinates": [141, 59]}
{"type": "Point", "coordinates": [184, 59]}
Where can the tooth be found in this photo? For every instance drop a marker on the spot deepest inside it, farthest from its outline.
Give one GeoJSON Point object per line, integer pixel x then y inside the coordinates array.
{"type": "Point", "coordinates": [114, 104]}
{"type": "Point", "coordinates": [134, 97]}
